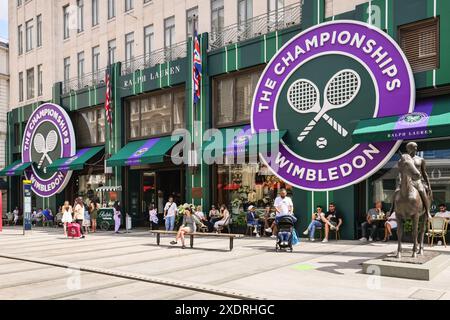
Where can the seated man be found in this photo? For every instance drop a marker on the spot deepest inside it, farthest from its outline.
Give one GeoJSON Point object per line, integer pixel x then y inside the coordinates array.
{"type": "Point", "coordinates": [443, 213]}
{"type": "Point", "coordinates": [252, 220]}
{"type": "Point", "coordinates": [370, 223]}
{"type": "Point", "coordinates": [316, 222]}
{"type": "Point", "coordinates": [333, 220]}
{"type": "Point", "coordinates": [389, 225]}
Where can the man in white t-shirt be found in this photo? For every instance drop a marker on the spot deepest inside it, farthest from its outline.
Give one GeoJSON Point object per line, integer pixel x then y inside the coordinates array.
{"type": "Point", "coordinates": [170, 212]}
{"type": "Point", "coordinates": [443, 213]}
{"type": "Point", "coordinates": [283, 206]}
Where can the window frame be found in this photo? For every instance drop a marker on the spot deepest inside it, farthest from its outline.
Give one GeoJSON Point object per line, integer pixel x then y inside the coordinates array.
{"type": "Point", "coordinates": [172, 91]}
{"type": "Point", "coordinates": [40, 78]}
{"type": "Point", "coordinates": [231, 76]}
{"type": "Point", "coordinates": [30, 89]}
{"type": "Point", "coordinates": [39, 30]}
{"type": "Point", "coordinates": [29, 35]}
{"type": "Point", "coordinates": [75, 120]}
{"type": "Point", "coordinates": [415, 27]}
{"type": "Point", "coordinates": [66, 17]}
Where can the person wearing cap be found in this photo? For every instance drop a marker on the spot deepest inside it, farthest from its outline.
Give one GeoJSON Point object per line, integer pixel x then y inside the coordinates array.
{"type": "Point", "coordinates": [252, 219]}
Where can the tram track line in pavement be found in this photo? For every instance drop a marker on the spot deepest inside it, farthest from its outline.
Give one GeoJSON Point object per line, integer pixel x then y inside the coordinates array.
{"type": "Point", "coordinates": [204, 288]}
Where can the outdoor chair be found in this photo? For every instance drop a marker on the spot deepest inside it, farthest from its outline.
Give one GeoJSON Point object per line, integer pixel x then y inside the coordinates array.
{"type": "Point", "coordinates": [437, 228]}
{"type": "Point", "coordinates": [320, 230]}
{"type": "Point", "coordinates": [337, 234]}
{"type": "Point", "coordinates": [225, 225]}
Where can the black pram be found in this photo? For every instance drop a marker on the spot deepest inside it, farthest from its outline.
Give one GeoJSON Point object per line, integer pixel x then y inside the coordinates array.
{"type": "Point", "coordinates": [285, 230]}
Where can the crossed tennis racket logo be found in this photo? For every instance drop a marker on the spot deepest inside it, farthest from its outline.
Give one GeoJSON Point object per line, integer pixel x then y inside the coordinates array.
{"type": "Point", "coordinates": [304, 97]}
{"type": "Point", "coordinates": [45, 145]}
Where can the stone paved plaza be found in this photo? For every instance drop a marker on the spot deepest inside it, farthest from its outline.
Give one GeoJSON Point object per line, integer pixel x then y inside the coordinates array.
{"type": "Point", "coordinates": [131, 266]}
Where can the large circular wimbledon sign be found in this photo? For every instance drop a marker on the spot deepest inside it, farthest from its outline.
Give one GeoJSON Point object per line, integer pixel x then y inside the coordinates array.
{"type": "Point", "coordinates": [48, 136]}
{"type": "Point", "coordinates": [317, 87]}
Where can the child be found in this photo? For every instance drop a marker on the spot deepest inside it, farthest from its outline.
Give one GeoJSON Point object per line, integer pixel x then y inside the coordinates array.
{"type": "Point", "coordinates": [153, 217]}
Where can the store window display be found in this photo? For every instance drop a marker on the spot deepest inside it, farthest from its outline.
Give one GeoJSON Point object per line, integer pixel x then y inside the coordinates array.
{"type": "Point", "coordinates": [241, 185]}
{"type": "Point", "coordinates": [87, 185]}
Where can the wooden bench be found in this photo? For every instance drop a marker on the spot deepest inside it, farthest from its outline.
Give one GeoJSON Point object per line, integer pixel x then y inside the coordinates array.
{"type": "Point", "coordinates": [197, 234]}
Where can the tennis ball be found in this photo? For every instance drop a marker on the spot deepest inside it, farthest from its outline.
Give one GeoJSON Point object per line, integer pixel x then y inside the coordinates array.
{"type": "Point", "coordinates": [321, 143]}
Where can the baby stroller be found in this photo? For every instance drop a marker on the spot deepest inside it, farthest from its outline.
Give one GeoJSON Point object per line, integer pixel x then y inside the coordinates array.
{"type": "Point", "coordinates": [285, 230]}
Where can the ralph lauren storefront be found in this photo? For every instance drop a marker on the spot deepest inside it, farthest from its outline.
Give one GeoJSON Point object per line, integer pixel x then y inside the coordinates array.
{"type": "Point", "coordinates": [328, 86]}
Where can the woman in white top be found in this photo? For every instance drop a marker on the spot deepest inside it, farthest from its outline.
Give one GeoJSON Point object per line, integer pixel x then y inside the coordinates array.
{"type": "Point", "coordinates": [153, 217]}
{"type": "Point", "coordinates": [117, 217]}
{"type": "Point", "coordinates": [66, 216]}
{"type": "Point", "coordinates": [391, 223]}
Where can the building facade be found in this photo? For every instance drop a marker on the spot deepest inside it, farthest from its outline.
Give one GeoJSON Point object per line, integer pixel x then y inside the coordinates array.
{"type": "Point", "coordinates": [146, 48]}
{"type": "Point", "coordinates": [4, 107]}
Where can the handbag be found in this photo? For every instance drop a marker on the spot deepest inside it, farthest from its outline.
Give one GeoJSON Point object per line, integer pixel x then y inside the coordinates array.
{"type": "Point", "coordinates": [295, 239]}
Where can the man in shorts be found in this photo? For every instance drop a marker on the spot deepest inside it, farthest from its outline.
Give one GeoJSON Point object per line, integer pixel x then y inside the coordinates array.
{"type": "Point", "coordinates": [333, 220]}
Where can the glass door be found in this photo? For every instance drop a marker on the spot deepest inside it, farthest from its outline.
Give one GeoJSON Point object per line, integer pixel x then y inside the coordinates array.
{"type": "Point", "coordinates": [148, 192]}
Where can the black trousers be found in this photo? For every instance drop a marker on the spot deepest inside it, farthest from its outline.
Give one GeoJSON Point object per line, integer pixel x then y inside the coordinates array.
{"type": "Point", "coordinates": [80, 222]}
{"type": "Point", "coordinates": [373, 229]}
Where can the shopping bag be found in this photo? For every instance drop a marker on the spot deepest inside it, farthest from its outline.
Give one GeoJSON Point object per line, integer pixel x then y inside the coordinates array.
{"type": "Point", "coordinates": [295, 239]}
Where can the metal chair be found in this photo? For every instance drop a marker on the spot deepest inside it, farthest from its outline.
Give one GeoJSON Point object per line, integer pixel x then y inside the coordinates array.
{"type": "Point", "coordinates": [437, 228]}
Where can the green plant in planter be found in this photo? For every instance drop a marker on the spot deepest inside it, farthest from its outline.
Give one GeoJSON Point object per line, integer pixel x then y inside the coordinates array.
{"type": "Point", "coordinates": [240, 220]}
{"type": "Point", "coordinates": [181, 209]}
{"type": "Point", "coordinates": [407, 226]}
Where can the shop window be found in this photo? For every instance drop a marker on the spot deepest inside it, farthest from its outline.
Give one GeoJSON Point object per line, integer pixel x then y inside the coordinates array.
{"type": "Point", "coordinates": [90, 127]}
{"type": "Point", "coordinates": [233, 97]}
{"type": "Point", "coordinates": [87, 184]}
{"type": "Point", "coordinates": [420, 43]}
{"type": "Point", "coordinates": [240, 185]}
{"type": "Point", "coordinates": [384, 183]}
{"type": "Point", "coordinates": [156, 114]}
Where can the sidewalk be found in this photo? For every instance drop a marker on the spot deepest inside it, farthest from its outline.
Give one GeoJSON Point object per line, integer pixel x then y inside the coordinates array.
{"type": "Point", "coordinates": [313, 270]}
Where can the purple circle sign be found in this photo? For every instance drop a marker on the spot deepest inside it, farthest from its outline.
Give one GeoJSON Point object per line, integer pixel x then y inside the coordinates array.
{"type": "Point", "coordinates": [390, 74]}
{"type": "Point", "coordinates": [48, 136]}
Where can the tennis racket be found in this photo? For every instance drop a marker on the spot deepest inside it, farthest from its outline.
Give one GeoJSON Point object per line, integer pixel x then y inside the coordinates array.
{"type": "Point", "coordinates": [340, 91]}
{"type": "Point", "coordinates": [39, 146]}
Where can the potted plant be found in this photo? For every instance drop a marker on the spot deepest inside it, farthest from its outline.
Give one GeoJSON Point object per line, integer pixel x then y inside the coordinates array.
{"type": "Point", "coordinates": [239, 224]}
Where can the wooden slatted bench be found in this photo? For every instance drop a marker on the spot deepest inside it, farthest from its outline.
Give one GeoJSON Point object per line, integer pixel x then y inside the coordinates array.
{"type": "Point", "coordinates": [197, 234]}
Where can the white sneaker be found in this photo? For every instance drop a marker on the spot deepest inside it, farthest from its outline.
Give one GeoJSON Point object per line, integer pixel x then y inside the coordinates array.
{"type": "Point", "coordinates": [258, 236]}
{"type": "Point", "coordinates": [268, 230]}
{"type": "Point", "coordinates": [312, 239]}
{"type": "Point", "coordinates": [370, 239]}
{"type": "Point", "coordinates": [363, 239]}
{"type": "Point", "coordinates": [273, 236]}
{"type": "Point", "coordinates": [306, 232]}
{"type": "Point", "coordinates": [325, 240]}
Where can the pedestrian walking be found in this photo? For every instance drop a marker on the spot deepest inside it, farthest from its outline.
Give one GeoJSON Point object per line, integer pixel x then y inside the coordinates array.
{"type": "Point", "coordinates": [94, 206]}
{"type": "Point", "coordinates": [153, 217]}
{"type": "Point", "coordinates": [78, 214]}
{"type": "Point", "coordinates": [87, 219]}
{"type": "Point", "coordinates": [67, 212]}
{"type": "Point", "coordinates": [117, 217]}
{"type": "Point", "coordinates": [170, 211]}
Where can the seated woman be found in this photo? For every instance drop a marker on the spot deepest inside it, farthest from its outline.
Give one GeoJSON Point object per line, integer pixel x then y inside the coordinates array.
{"type": "Point", "coordinates": [225, 216]}
{"type": "Point", "coordinates": [389, 225]}
{"type": "Point", "coordinates": [253, 220]}
{"type": "Point", "coordinates": [187, 226]}
{"type": "Point", "coordinates": [316, 222]}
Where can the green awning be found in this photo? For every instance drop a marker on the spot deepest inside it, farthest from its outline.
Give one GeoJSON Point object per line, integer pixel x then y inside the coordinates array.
{"type": "Point", "coordinates": [143, 152]}
{"type": "Point", "coordinates": [76, 162]}
{"type": "Point", "coordinates": [237, 140]}
{"type": "Point", "coordinates": [430, 119]}
{"type": "Point", "coordinates": [15, 169]}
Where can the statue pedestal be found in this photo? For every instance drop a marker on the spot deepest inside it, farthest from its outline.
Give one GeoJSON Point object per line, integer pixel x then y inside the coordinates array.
{"type": "Point", "coordinates": [421, 268]}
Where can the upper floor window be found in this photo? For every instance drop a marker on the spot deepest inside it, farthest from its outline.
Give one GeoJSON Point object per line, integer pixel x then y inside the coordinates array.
{"type": "Point", "coordinates": [273, 5]}
{"type": "Point", "coordinates": [169, 32]}
{"type": "Point", "coordinates": [29, 35]}
{"type": "Point", "coordinates": [217, 16]}
{"type": "Point", "coordinates": [20, 39]}
{"type": "Point", "coordinates": [111, 9]}
{"type": "Point", "coordinates": [420, 43]}
{"type": "Point", "coordinates": [66, 69]}
{"type": "Point", "coordinates": [30, 83]}
{"type": "Point", "coordinates": [95, 59]}
{"type": "Point", "coordinates": [80, 65]}
{"type": "Point", "coordinates": [39, 80]}
{"type": "Point", "coordinates": [149, 39]}
{"type": "Point", "coordinates": [94, 12]}
{"type": "Point", "coordinates": [20, 86]}
{"type": "Point", "coordinates": [191, 22]}
{"type": "Point", "coordinates": [156, 114]}
{"type": "Point", "coordinates": [19, 2]}
{"type": "Point", "coordinates": [129, 5]}
{"type": "Point", "coordinates": [112, 51]}
{"type": "Point", "coordinates": [66, 16]}
{"type": "Point", "coordinates": [245, 11]}
{"type": "Point", "coordinates": [129, 46]}
{"type": "Point", "coordinates": [90, 127]}
{"type": "Point", "coordinates": [233, 97]}
{"type": "Point", "coordinates": [80, 15]}
{"type": "Point", "coordinates": [39, 30]}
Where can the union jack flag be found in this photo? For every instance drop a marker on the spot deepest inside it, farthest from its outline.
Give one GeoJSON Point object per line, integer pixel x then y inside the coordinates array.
{"type": "Point", "coordinates": [108, 109]}
{"type": "Point", "coordinates": [197, 68]}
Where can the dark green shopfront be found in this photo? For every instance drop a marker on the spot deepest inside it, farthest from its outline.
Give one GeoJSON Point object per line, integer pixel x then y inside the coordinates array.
{"type": "Point", "coordinates": [151, 103]}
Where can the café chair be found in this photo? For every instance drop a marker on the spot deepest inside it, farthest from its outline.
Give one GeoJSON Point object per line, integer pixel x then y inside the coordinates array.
{"type": "Point", "coordinates": [437, 228]}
